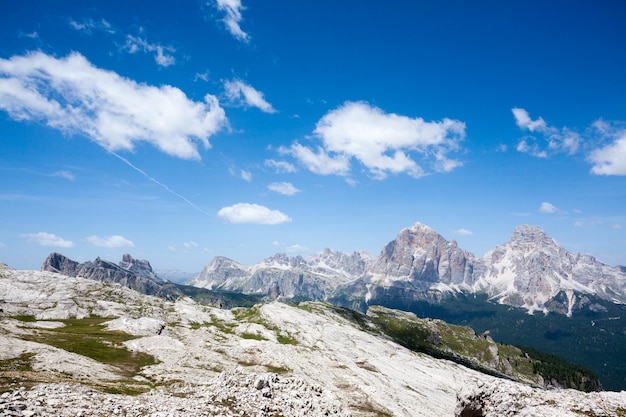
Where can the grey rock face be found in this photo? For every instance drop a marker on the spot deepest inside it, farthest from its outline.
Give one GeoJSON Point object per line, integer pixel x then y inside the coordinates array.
{"type": "Point", "coordinates": [108, 272]}
{"type": "Point", "coordinates": [280, 275]}
{"type": "Point", "coordinates": [532, 271]}
{"type": "Point", "coordinates": [542, 274]}
{"type": "Point", "coordinates": [423, 256]}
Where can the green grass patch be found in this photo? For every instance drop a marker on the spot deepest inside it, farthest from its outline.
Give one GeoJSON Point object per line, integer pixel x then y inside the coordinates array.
{"type": "Point", "coordinates": [252, 336]}
{"type": "Point", "coordinates": [89, 337]}
{"type": "Point", "coordinates": [286, 340]}
{"type": "Point", "coordinates": [25, 319]}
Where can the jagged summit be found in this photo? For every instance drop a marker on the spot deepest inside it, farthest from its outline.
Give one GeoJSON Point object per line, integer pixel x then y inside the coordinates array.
{"type": "Point", "coordinates": [132, 273]}
{"type": "Point", "coordinates": [532, 236]}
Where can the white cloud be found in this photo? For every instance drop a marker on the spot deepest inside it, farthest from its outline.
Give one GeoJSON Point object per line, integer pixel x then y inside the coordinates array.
{"type": "Point", "coordinates": [233, 9]}
{"type": "Point", "coordinates": [89, 25]}
{"type": "Point", "coordinates": [320, 162]}
{"type": "Point", "coordinates": [48, 239]}
{"type": "Point", "coordinates": [548, 208]}
{"type": "Point", "coordinates": [252, 213]}
{"type": "Point", "coordinates": [190, 244]}
{"type": "Point", "coordinates": [73, 96]}
{"type": "Point", "coordinates": [280, 166]}
{"type": "Point", "coordinates": [463, 232]}
{"type": "Point", "coordinates": [3, 245]}
{"type": "Point", "coordinates": [383, 142]}
{"type": "Point", "coordinates": [297, 248]}
{"type": "Point", "coordinates": [285, 188]}
{"type": "Point", "coordinates": [555, 140]}
{"type": "Point", "coordinates": [530, 148]}
{"type": "Point", "coordinates": [136, 44]}
{"type": "Point", "coordinates": [31, 35]}
{"type": "Point", "coordinates": [246, 175]}
{"type": "Point", "coordinates": [242, 94]}
{"type": "Point", "coordinates": [64, 174]}
{"type": "Point", "coordinates": [610, 159]}
{"type": "Point", "coordinates": [524, 122]}
{"type": "Point", "coordinates": [114, 241]}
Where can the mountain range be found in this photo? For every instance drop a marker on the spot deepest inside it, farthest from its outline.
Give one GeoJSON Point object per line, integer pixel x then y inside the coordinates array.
{"type": "Point", "coordinates": [531, 271]}
{"type": "Point", "coordinates": [581, 301]}
{"type": "Point", "coordinates": [75, 346]}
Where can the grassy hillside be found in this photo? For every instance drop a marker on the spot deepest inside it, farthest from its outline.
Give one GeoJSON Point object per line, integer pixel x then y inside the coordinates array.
{"type": "Point", "coordinates": [593, 340]}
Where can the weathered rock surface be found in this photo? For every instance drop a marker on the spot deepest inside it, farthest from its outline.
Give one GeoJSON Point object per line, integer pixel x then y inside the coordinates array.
{"type": "Point", "coordinates": [131, 273]}
{"type": "Point", "coordinates": [274, 359]}
{"type": "Point", "coordinates": [501, 398]}
{"type": "Point", "coordinates": [532, 271]}
{"type": "Point", "coordinates": [311, 277]}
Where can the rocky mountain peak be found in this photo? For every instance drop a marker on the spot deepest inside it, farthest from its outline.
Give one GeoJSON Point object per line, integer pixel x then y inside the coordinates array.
{"type": "Point", "coordinates": [424, 257]}
{"type": "Point", "coordinates": [139, 277]}
{"type": "Point", "coordinates": [139, 266]}
{"type": "Point", "coordinates": [527, 235]}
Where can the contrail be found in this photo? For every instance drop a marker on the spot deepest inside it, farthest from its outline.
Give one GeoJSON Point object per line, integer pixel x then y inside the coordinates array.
{"type": "Point", "coordinates": [154, 180]}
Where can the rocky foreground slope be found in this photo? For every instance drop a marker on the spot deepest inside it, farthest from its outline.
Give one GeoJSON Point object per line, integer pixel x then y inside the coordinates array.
{"type": "Point", "coordinates": [72, 346]}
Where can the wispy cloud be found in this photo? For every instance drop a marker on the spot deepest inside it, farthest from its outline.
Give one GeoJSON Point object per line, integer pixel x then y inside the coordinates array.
{"type": "Point", "coordinates": [280, 166]}
{"type": "Point", "coordinates": [463, 232]}
{"type": "Point", "coordinates": [190, 244]}
{"type": "Point", "coordinates": [162, 53]}
{"type": "Point", "coordinates": [285, 188]}
{"type": "Point", "coordinates": [73, 96]}
{"type": "Point", "coordinates": [64, 174]}
{"type": "Point", "coordinates": [253, 214]}
{"type": "Point", "coordinates": [297, 248]}
{"type": "Point", "coordinates": [48, 239]}
{"type": "Point", "coordinates": [89, 26]}
{"type": "Point", "coordinates": [233, 18]}
{"type": "Point", "coordinates": [246, 175]}
{"type": "Point", "coordinates": [604, 143]}
{"type": "Point", "coordinates": [547, 208]}
{"type": "Point", "coordinates": [114, 241]}
{"type": "Point", "coordinates": [385, 143]}
{"type": "Point", "coordinates": [239, 93]}
{"type": "Point", "coordinates": [549, 139]}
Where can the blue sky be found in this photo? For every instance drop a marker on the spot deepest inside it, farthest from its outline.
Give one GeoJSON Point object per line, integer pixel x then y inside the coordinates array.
{"type": "Point", "coordinates": [179, 131]}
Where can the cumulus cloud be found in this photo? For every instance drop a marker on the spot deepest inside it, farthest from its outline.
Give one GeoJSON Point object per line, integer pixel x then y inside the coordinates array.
{"type": "Point", "coordinates": [253, 214]}
{"type": "Point", "coordinates": [162, 53]}
{"type": "Point", "coordinates": [75, 97]}
{"type": "Point", "coordinates": [114, 241]}
{"type": "Point", "coordinates": [239, 93]}
{"type": "Point", "coordinates": [524, 122]}
{"type": "Point", "coordinates": [609, 159]}
{"type": "Point", "coordinates": [232, 9]}
{"type": "Point", "coordinates": [549, 139]}
{"type": "Point", "coordinates": [385, 143]}
{"type": "Point", "coordinates": [285, 188]}
{"type": "Point", "coordinates": [318, 162]}
{"type": "Point", "coordinates": [48, 239]}
{"type": "Point", "coordinates": [548, 208]}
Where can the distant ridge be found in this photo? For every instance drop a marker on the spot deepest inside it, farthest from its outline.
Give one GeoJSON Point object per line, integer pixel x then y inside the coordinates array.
{"type": "Point", "coordinates": [131, 273]}
{"type": "Point", "coordinates": [531, 271]}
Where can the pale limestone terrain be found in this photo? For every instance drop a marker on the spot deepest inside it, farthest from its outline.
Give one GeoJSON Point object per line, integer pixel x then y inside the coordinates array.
{"type": "Point", "coordinates": [272, 360]}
